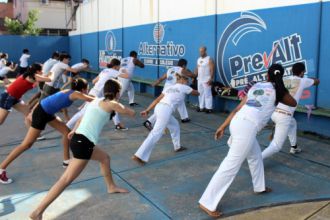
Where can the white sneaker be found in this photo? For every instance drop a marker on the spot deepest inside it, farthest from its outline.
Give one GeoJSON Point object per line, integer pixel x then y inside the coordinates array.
{"type": "Point", "coordinates": [295, 150]}
{"type": "Point", "coordinates": [4, 179]}
{"type": "Point", "coordinates": [41, 138]}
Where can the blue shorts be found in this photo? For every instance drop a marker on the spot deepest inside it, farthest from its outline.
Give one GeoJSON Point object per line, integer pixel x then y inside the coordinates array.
{"type": "Point", "coordinates": [7, 101]}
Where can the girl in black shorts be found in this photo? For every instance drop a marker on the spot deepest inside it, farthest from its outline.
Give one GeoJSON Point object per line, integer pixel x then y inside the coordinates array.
{"type": "Point", "coordinates": [83, 139]}
{"type": "Point", "coordinates": [44, 114]}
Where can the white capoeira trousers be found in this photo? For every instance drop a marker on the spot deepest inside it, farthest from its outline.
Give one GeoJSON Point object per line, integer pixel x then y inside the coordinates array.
{"type": "Point", "coordinates": [243, 145]}
{"type": "Point", "coordinates": [164, 118]}
{"type": "Point", "coordinates": [128, 86]}
{"type": "Point", "coordinates": [182, 109]}
{"type": "Point", "coordinates": [205, 95]}
{"type": "Point", "coordinates": [285, 125]}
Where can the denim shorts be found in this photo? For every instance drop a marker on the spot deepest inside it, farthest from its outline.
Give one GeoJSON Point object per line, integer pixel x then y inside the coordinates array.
{"type": "Point", "coordinates": [7, 101]}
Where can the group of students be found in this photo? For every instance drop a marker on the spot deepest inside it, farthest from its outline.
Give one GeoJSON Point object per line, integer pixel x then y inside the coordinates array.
{"type": "Point", "coordinates": [81, 133]}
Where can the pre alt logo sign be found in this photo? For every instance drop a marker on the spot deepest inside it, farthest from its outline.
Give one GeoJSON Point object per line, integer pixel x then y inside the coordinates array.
{"type": "Point", "coordinates": [237, 70]}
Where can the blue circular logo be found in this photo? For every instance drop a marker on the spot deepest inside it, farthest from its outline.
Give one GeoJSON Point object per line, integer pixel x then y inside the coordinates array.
{"type": "Point", "coordinates": [159, 32]}
{"type": "Point", "coordinates": [110, 41]}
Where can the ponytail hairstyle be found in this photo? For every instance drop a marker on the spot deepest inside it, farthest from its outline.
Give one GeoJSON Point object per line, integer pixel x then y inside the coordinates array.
{"type": "Point", "coordinates": [114, 62]}
{"type": "Point", "coordinates": [275, 76]}
{"type": "Point", "coordinates": [32, 70]}
{"type": "Point", "coordinates": [79, 84]}
{"type": "Point", "coordinates": [111, 89]}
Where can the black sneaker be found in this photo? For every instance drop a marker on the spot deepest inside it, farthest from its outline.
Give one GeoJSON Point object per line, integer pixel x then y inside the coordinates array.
{"type": "Point", "coordinates": [65, 164]}
{"type": "Point", "coordinates": [180, 149]}
{"type": "Point", "coordinates": [148, 125]}
{"type": "Point", "coordinates": [120, 128]}
{"type": "Point", "coordinates": [200, 109]}
{"type": "Point", "coordinates": [186, 120]}
{"type": "Point", "coordinates": [208, 111]}
{"type": "Point", "coordinates": [133, 104]}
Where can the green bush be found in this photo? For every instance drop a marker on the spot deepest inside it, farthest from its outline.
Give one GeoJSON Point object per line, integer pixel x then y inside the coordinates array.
{"type": "Point", "coordinates": [16, 27]}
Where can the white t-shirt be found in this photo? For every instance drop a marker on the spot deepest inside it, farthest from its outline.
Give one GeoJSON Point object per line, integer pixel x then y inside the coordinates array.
{"type": "Point", "coordinates": [175, 95]}
{"type": "Point", "coordinates": [3, 63]}
{"type": "Point", "coordinates": [47, 66]}
{"type": "Point", "coordinates": [171, 76]}
{"type": "Point", "coordinates": [79, 66]}
{"type": "Point", "coordinates": [104, 76]}
{"type": "Point", "coordinates": [128, 63]}
{"type": "Point", "coordinates": [260, 104]}
{"type": "Point", "coordinates": [56, 71]}
{"type": "Point", "coordinates": [296, 86]}
{"type": "Point", "coordinates": [203, 65]}
{"type": "Point", "coordinates": [24, 60]}
{"type": "Point", "coordinates": [4, 71]}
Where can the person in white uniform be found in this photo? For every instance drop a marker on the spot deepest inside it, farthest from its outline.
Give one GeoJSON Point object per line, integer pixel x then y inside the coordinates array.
{"type": "Point", "coordinates": [24, 61]}
{"type": "Point", "coordinates": [129, 64]}
{"type": "Point", "coordinates": [55, 73]}
{"type": "Point", "coordinates": [46, 67]}
{"type": "Point", "coordinates": [9, 67]}
{"type": "Point", "coordinates": [165, 105]}
{"type": "Point", "coordinates": [205, 77]}
{"type": "Point", "coordinates": [48, 64]}
{"type": "Point", "coordinates": [3, 60]}
{"type": "Point", "coordinates": [285, 124]}
{"type": "Point", "coordinates": [56, 82]}
{"type": "Point", "coordinates": [81, 66]}
{"type": "Point", "coordinates": [97, 91]}
{"type": "Point", "coordinates": [249, 117]}
{"type": "Point", "coordinates": [170, 79]}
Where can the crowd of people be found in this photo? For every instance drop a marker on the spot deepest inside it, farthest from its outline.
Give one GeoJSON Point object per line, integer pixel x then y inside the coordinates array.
{"type": "Point", "coordinates": [60, 84]}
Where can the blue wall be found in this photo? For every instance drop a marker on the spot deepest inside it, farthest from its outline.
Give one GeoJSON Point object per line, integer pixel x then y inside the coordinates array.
{"type": "Point", "coordinates": [240, 44]}
{"type": "Point", "coordinates": [323, 92]}
{"type": "Point", "coordinates": [41, 47]}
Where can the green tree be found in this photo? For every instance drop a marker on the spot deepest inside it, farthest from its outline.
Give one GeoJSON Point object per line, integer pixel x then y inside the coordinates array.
{"type": "Point", "coordinates": [16, 27]}
{"type": "Point", "coordinates": [13, 26]}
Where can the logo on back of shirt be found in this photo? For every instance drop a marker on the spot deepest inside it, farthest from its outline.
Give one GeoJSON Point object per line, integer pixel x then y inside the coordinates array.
{"type": "Point", "coordinates": [173, 90]}
{"type": "Point", "coordinates": [292, 85]}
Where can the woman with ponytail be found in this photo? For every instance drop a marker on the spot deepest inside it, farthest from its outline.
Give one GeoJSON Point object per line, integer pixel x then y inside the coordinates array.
{"type": "Point", "coordinates": [43, 114]}
{"type": "Point", "coordinates": [84, 137]}
{"type": "Point", "coordinates": [11, 98]}
{"type": "Point", "coordinates": [248, 118]}
{"type": "Point", "coordinates": [111, 72]}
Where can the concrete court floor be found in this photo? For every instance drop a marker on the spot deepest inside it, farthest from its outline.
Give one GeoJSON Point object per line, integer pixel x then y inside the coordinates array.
{"type": "Point", "coordinates": [170, 185]}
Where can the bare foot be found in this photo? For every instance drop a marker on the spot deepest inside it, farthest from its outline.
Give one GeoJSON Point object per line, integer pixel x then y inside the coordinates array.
{"type": "Point", "coordinates": [35, 216]}
{"type": "Point", "coordinates": [214, 214]}
{"type": "Point", "coordinates": [117, 189]}
{"type": "Point", "coordinates": [138, 160]}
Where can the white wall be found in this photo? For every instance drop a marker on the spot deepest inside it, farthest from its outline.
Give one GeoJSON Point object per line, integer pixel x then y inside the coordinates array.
{"type": "Point", "coordinates": [229, 6]}
{"type": "Point", "coordinates": [114, 14]}
{"type": "Point", "coordinates": [139, 12]}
